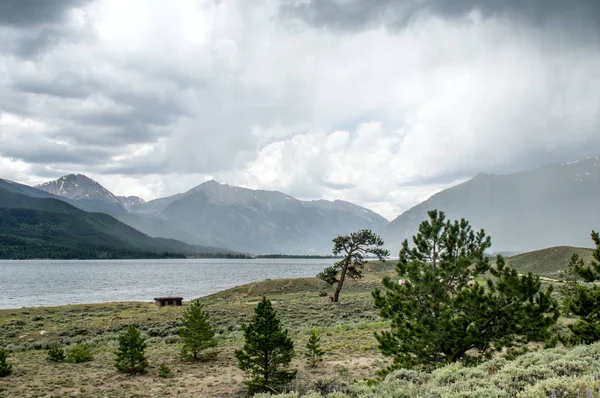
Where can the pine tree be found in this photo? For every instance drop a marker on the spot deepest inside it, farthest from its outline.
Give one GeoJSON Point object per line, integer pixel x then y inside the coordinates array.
{"type": "Point", "coordinates": [441, 313]}
{"type": "Point", "coordinates": [354, 247]}
{"type": "Point", "coordinates": [314, 353]}
{"type": "Point", "coordinates": [130, 353]}
{"type": "Point", "coordinates": [5, 368]}
{"type": "Point", "coordinates": [197, 333]}
{"type": "Point", "coordinates": [267, 348]}
{"type": "Point", "coordinates": [583, 299]}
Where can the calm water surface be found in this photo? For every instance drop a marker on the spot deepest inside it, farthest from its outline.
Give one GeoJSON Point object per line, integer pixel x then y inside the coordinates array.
{"type": "Point", "coordinates": [32, 283]}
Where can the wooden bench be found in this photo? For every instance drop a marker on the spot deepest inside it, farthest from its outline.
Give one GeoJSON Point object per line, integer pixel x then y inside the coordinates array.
{"type": "Point", "coordinates": [162, 301]}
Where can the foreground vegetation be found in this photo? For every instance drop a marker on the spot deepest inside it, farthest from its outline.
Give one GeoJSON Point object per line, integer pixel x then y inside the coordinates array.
{"type": "Point", "coordinates": [347, 338]}
{"type": "Point", "coordinates": [346, 331]}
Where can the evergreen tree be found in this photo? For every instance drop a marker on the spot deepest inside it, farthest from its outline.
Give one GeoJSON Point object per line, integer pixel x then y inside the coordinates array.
{"type": "Point", "coordinates": [5, 368]}
{"type": "Point", "coordinates": [583, 299]}
{"type": "Point", "coordinates": [354, 247]}
{"type": "Point", "coordinates": [130, 353]}
{"type": "Point", "coordinates": [197, 333]}
{"type": "Point", "coordinates": [267, 348]}
{"type": "Point", "coordinates": [314, 353]}
{"type": "Point", "coordinates": [441, 313]}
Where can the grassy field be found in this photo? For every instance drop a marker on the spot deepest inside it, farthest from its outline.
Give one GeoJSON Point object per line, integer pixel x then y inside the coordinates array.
{"type": "Point", "coordinates": [347, 336]}
{"type": "Point", "coordinates": [347, 331]}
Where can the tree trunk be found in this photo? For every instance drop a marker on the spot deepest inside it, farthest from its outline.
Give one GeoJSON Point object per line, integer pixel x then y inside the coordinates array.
{"type": "Point", "coordinates": [338, 289]}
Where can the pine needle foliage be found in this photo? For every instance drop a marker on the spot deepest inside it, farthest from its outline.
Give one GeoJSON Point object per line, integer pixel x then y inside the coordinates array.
{"type": "Point", "coordinates": [314, 353]}
{"type": "Point", "coordinates": [56, 353]}
{"type": "Point", "coordinates": [197, 333]}
{"type": "Point", "coordinates": [441, 308]}
{"type": "Point", "coordinates": [354, 248]}
{"type": "Point", "coordinates": [5, 368]}
{"type": "Point", "coordinates": [130, 352]}
{"type": "Point", "coordinates": [583, 299]}
{"type": "Point", "coordinates": [266, 350]}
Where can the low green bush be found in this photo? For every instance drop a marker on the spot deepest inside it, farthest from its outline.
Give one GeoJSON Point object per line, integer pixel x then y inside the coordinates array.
{"type": "Point", "coordinates": [56, 353]}
{"type": "Point", "coordinates": [79, 353]}
{"type": "Point", "coordinates": [164, 371]}
{"type": "Point", "coordinates": [556, 372]}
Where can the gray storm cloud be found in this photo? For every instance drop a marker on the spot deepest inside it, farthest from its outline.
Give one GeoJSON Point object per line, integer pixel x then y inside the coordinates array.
{"type": "Point", "coordinates": [581, 16]}
{"type": "Point", "coordinates": [378, 102]}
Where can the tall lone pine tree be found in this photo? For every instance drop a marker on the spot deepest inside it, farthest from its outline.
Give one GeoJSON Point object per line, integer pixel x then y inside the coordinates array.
{"type": "Point", "coordinates": [583, 300]}
{"type": "Point", "coordinates": [441, 313]}
{"type": "Point", "coordinates": [267, 347]}
{"type": "Point", "coordinates": [354, 247]}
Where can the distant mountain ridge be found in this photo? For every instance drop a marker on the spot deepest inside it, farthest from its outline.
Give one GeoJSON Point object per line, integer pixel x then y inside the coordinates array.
{"type": "Point", "coordinates": [554, 205]}
{"type": "Point", "coordinates": [260, 221]}
{"type": "Point", "coordinates": [43, 227]}
{"type": "Point", "coordinates": [221, 215]}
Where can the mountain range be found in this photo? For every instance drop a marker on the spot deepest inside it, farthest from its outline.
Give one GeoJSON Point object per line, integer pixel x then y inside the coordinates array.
{"type": "Point", "coordinates": [222, 215]}
{"type": "Point", "coordinates": [552, 205]}
{"type": "Point", "coordinates": [45, 227]}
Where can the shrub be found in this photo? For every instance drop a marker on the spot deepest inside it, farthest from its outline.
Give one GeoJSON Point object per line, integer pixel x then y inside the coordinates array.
{"type": "Point", "coordinates": [80, 353]}
{"type": "Point", "coordinates": [56, 353]}
{"type": "Point", "coordinates": [130, 352]}
{"type": "Point", "coordinates": [5, 368]}
{"type": "Point", "coordinates": [164, 371]}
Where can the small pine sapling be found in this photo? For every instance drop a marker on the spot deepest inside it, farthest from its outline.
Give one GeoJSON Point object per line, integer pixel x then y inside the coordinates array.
{"type": "Point", "coordinates": [314, 353]}
{"type": "Point", "coordinates": [266, 350]}
{"type": "Point", "coordinates": [130, 352]}
{"type": "Point", "coordinates": [56, 353]}
{"type": "Point", "coordinates": [5, 368]}
{"type": "Point", "coordinates": [197, 333]}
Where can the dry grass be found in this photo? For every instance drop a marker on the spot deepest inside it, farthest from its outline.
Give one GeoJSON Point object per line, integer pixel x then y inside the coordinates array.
{"type": "Point", "coordinates": [347, 331]}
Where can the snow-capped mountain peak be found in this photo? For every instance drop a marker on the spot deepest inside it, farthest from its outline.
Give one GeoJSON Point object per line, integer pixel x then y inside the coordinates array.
{"type": "Point", "coordinates": [81, 187]}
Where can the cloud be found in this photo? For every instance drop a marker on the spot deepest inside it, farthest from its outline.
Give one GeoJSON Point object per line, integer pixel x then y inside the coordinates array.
{"type": "Point", "coordinates": [380, 103]}
{"type": "Point", "coordinates": [580, 16]}
{"type": "Point", "coordinates": [27, 13]}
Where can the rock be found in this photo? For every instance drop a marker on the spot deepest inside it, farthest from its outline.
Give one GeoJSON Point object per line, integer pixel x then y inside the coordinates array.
{"type": "Point", "coordinates": [43, 332]}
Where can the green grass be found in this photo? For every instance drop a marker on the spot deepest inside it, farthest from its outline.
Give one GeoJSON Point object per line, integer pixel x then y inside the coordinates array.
{"type": "Point", "coordinates": [548, 262]}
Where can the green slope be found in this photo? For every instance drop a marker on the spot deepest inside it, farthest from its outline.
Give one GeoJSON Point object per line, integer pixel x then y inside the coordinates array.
{"type": "Point", "coordinates": [548, 262]}
{"type": "Point", "coordinates": [48, 228]}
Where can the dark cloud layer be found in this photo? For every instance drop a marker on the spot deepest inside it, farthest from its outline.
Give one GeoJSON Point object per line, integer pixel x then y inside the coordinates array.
{"type": "Point", "coordinates": [28, 13]}
{"type": "Point", "coordinates": [582, 16]}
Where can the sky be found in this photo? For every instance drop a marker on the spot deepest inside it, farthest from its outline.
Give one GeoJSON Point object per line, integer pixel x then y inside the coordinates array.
{"type": "Point", "coordinates": [378, 102]}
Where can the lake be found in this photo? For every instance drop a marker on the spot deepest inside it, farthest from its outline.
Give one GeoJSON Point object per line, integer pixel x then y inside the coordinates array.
{"type": "Point", "coordinates": [32, 283]}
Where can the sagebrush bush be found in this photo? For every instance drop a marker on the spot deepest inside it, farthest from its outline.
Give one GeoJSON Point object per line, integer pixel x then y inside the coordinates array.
{"type": "Point", "coordinates": [80, 353]}
{"type": "Point", "coordinates": [556, 372]}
